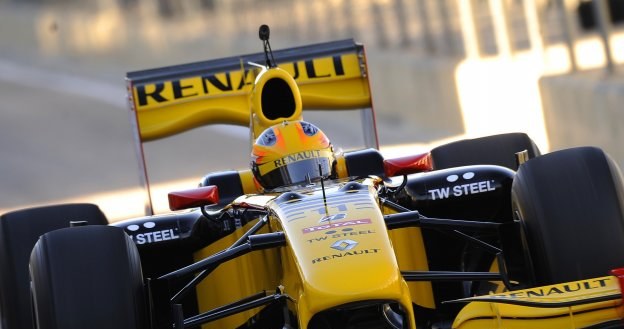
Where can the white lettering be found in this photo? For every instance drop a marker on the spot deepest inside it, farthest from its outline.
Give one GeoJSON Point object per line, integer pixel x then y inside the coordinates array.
{"type": "Point", "coordinates": [173, 235]}
{"type": "Point", "coordinates": [457, 190]}
{"type": "Point", "coordinates": [156, 236]}
{"type": "Point", "coordinates": [441, 193]}
{"type": "Point", "coordinates": [461, 190]}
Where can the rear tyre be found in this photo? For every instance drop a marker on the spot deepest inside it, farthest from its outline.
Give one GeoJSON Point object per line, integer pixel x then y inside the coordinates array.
{"type": "Point", "coordinates": [87, 277]}
{"type": "Point", "coordinates": [572, 207]}
{"type": "Point", "coordinates": [496, 150]}
{"type": "Point", "coordinates": [19, 230]}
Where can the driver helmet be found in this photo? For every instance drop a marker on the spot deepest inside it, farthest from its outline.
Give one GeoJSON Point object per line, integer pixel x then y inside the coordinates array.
{"type": "Point", "coordinates": [292, 152]}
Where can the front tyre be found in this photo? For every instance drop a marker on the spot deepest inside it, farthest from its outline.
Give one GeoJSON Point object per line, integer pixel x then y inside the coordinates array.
{"type": "Point", "coordinates": [572, 207]}
{"type": "Point", "coordinates": [19, 231]}
{"type": "Point", "coordinates": [87, 277]}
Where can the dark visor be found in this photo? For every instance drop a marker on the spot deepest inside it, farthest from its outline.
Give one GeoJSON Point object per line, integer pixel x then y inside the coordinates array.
{"type": "Point", "coordinates": [296, 173]}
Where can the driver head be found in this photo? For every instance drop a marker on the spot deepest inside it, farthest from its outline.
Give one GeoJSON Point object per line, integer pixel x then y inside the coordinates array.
{"type": "Point", "coordinates": [291, 152]}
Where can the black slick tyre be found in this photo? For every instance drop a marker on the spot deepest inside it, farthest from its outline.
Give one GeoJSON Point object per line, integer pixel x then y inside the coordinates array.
{"type": "Point", "coordinates": [19, 231]}
{"type": "Point", "coordinates": [496, 150]}
{"type": "Point", "coordinates": [572, 208]}
{"type": "Point", "coordinates": [87, 277]}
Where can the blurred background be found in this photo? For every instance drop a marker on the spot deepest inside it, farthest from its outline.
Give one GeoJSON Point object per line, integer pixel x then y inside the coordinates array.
{"type": "Point", "coordinates": [440, 70]}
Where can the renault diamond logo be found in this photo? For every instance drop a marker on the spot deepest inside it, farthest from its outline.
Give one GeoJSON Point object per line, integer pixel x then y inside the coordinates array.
{"type": "Point", "coordinates": [343, 245]}
{"type": "Point", "coordinates": [332, 218]}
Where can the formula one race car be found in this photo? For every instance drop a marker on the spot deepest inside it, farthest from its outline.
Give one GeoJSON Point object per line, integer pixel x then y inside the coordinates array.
{"type": "Point", "coordinates": [479, 233]}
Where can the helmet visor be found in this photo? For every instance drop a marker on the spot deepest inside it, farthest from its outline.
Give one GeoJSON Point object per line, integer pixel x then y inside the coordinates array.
{"type": "Point", "coordinates": [295, 169]}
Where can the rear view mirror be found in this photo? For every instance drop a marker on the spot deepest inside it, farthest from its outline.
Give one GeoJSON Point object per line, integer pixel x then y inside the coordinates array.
{"type": "Point", "coordinates": [197, 197]}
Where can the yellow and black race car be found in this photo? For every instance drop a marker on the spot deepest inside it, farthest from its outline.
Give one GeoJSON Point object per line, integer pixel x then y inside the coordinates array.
{"type": "Point", "coordinates": [480, 233]}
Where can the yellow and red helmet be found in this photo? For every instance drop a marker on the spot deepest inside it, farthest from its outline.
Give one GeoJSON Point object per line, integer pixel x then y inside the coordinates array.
{"type": "Point", "coordinates": [291, 152]}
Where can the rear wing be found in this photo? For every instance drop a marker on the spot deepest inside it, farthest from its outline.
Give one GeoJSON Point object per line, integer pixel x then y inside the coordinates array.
{"type": "Point", "coordinates": [174, 99]}
{"type": "Point", "coordinates": [170, 100]}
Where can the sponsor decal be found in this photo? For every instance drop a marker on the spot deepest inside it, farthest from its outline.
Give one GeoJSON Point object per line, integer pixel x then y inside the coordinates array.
{"type": "Point", "coordinates": [344, 245]}
{"type": "Point", "coordinates": [345, 232]}
{"type": "Point", "coordinates": [555, 290]}
{"type": "Point", "coordinates": [453, 178]}
{"type": "Point", "coordinates": [332, 217]}
{"type": "Point", "coordinates": [312, 154]}
{"type": "Point", "coordinates": [336, 203]}
{"type": "Point", "coordinates": [462, 189]}
{"type": "Point", "coordinates": [338, 207]}
{"type": "Point", "coordinates": [135, 227]}
{"type": "Point", "coordinates": [345, 254]}
{"type": "Point", "coordinates": [235, 81]}
{"type": "Point", "coordinates": [156, 236]}
{"type": "Point", "coordinates": [325, 227]}
{"type": "Point", "coordinates": [348, 229]}
{"type": "Point", "coordinates": [320, 155]}
{"type": "Point", "coordinates": [153, 236]}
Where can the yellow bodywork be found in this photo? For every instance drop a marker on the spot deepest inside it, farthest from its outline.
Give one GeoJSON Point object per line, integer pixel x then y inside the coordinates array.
{"type": "Point", "coordinates": [319, 277]}
{"type": "Point", "coordinates": [242, 277]}
{"type": "Point", "coordinates": [259, 121]}
{"type": "Point", "coordinates": [171, 100]}
{"type": "Point", "coordinates": [540, 307]}
{"type": "Point", "coordinates": [167, 106]}
{"type": "Point", "coordinates": [338, 252]}
{"type": "Point", "coordinates": [411, 256]}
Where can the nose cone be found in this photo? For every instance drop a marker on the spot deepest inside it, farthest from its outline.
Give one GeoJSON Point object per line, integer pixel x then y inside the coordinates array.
{"type": "Point", "coordinates": [341, 249]}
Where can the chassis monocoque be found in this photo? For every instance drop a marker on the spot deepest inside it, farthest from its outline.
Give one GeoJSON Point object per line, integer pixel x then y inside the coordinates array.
{"type": "Point", "coordinates": [480, 233]}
